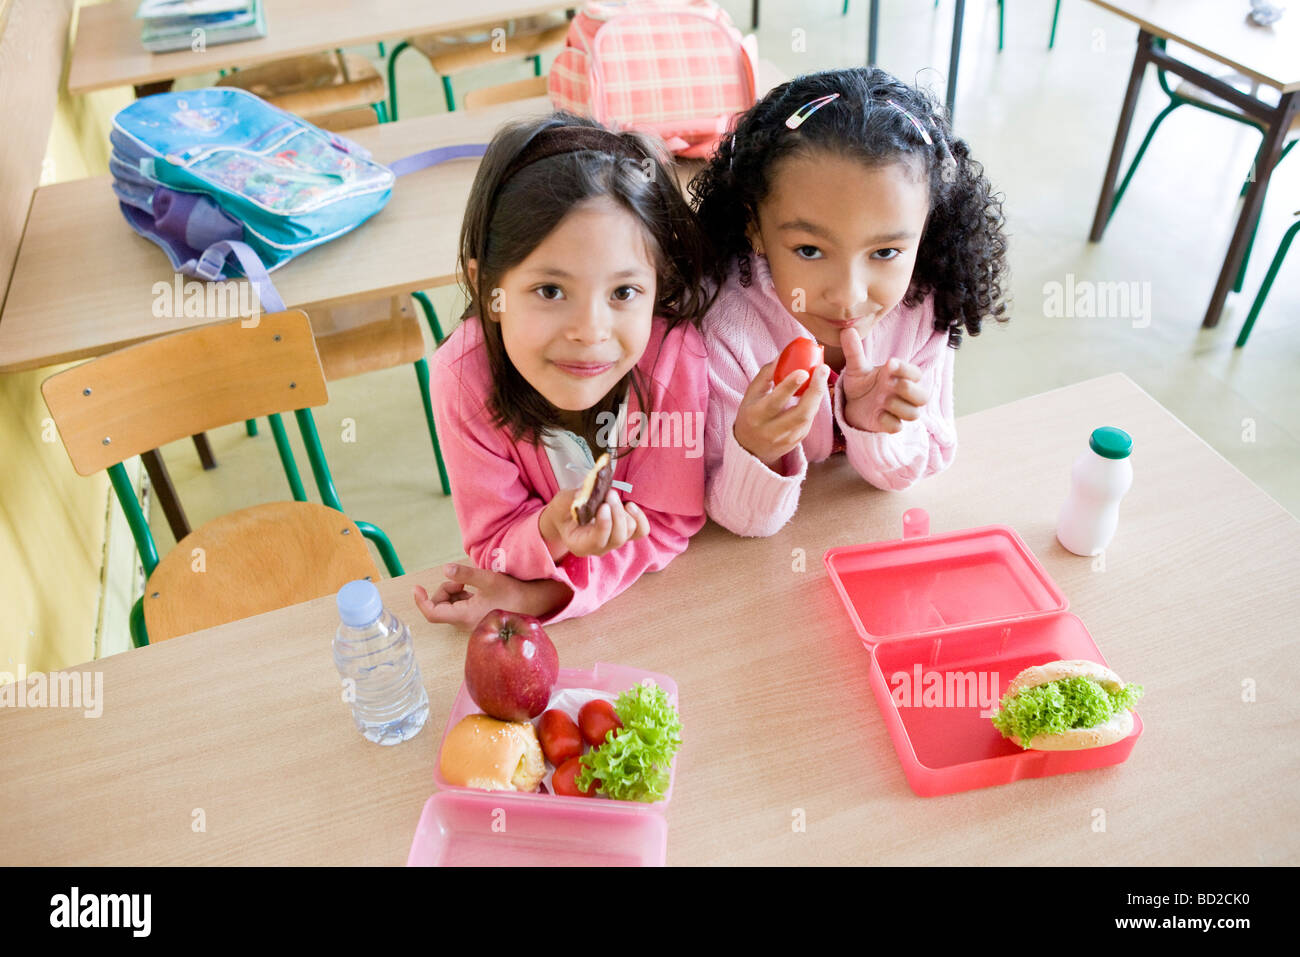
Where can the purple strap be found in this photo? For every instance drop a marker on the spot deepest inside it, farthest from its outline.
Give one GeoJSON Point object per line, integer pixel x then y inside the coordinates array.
{"type": "Point", "coordinates": [210, 264]}
{"type": "Point", "coordinates": [427, 158]}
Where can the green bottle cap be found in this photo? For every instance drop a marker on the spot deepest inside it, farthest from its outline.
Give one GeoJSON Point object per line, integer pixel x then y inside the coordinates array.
{"type": "Point", "coordinates": [1111, 443]}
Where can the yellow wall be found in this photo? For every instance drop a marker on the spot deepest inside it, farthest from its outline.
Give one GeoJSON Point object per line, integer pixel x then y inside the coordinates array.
{"type": "Point", "coordinates": [52, 521]}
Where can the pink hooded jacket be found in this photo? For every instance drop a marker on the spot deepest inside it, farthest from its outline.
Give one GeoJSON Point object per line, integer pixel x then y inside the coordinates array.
{"type": "Point", "coordinates": [498, 486]}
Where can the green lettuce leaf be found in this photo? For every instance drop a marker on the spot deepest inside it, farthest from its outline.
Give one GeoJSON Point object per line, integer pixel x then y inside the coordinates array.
{"type": "Point", "coordinates": [1059, 706]}
{"type": "Point", "coordinates": [633, 763]}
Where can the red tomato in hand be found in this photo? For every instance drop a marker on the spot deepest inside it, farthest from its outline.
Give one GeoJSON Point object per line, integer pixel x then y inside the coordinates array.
{"type": "Point", "coordinates": [799, 354]}
{"type": "Point", "coordinates": [596, 719]}
{"type": "Point", "coordinates": [564, 781]}
{"type": "Point", "coordinates": [559, 736]}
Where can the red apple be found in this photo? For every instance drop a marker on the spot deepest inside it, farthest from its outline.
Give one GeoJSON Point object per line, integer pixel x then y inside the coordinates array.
{"type": "Point", "coordinates": [510, 666]}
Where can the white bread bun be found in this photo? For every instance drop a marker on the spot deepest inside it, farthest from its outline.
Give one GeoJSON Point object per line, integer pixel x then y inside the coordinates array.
{"type": "Point", "coordinates": [1119, 727]}
{"type": "Point", "coordinates": [1056, 670]}
{"type": "Point", "coordinates": [482, 752]}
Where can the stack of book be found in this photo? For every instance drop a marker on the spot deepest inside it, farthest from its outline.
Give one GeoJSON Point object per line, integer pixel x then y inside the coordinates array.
{"type": "Point", "coordinates": [195, 24]}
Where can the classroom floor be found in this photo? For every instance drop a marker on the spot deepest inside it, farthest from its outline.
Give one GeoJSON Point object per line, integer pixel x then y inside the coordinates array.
{"type": "Point", "coordinates": [1042, 123]}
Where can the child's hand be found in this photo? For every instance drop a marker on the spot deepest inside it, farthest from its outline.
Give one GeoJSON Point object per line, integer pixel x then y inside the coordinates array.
{"type": "Point", "coordinates": [615, 525]}
{"type": "Point", "coordinates": [454, 604]}
{"type": "Point", "coordinates": [764, 427]}
{"type": "Point", "coordinates": [879, 399]}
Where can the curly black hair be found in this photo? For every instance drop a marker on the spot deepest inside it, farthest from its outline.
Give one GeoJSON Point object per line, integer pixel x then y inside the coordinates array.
{"type": "Point", "coordinates": [877, 119]}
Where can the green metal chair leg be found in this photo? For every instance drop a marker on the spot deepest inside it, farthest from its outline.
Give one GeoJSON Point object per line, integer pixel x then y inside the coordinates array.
{"type": "Point", "coordinates": [381, 49]}
{"type": "Point", "coordinates": [537, 60]}
{"type": "Point", "coordinates": [1273, 268]}
{"type": "Point", "coordinates": [448, 94]}
{"type": "Point", "coordinates": [430, 315]}
{"type": "Point", "coordinates": [1002, 15]}
{"type": "Point", "coordinates": [1056, 15]}
{"type": "Point", "coordinates": [386, 550]}
{"type": "Point", "coordinates": [392, 78]}
{"type": "Point", "coordinates": [250, 426]}
{"type": "Point", "coordinates": [1146, 141]}
{"type": "Point", "coordinates": [422, 375]}
{"type": "Point", "coordinates": [845, 11]}
{"type": "Point", "coordinates": [381, 111]}
{"type": "Point", "coordinates": [1250, 243]}
{"type": "Point", "coordinates": [286, 457]}
{"type": "Point", "coordinates": [139, 634]}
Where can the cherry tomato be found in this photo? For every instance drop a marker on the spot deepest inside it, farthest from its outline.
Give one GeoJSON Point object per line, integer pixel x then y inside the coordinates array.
{"type": "Point", "coordinates": [564, 781]}
{"type": "Point", "coordinates": [803, 354]}
{"type": "Point", "coordinates": [596, 719]}
{"type": "Point", "coordinates": [560, 737]}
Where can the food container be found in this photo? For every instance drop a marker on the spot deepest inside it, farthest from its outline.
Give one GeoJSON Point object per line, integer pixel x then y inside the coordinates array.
{"type": "Point", "coordinates": [949, 621]}
{"type": "Point", "coordinates": [467, 826]}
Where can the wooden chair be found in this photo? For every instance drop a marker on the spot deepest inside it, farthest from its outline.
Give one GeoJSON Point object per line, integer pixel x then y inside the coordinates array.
{"type": "Point", "coordinates": [253, 560]}
{"type": "Point", "coordinates": [316, 86]}
{"type": "Point", "coordinates": [375, 334]}
{"type": "Point", "coordinates": [451, 54]}
{"type": "Point", "coordinates": [505, 92]}
{"type": "Point", "coordinates": [381, 334]}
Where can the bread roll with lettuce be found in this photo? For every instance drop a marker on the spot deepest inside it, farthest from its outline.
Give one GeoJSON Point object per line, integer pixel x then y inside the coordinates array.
{"type": "Point", "coordinates": [1066, 706]}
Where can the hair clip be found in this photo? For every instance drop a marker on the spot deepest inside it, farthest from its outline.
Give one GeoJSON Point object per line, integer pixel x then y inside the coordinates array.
{"type": "Point", "coordinates": [915, 122]}
{"type": "Point", "coordinates": [795, 119]}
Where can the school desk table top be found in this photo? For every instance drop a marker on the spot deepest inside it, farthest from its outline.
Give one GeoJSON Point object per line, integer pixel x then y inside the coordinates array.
{"type": "Point", "coordinates": [1197, 602]}
{"type": "Point", "coordinates": [1220, 30]}
{"type": "Point", "coordinates": [107, 51]}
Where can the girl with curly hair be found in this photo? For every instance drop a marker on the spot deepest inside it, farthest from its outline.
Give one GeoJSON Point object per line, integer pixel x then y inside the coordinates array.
{"type": "Point", "coordinates": [843, 209]}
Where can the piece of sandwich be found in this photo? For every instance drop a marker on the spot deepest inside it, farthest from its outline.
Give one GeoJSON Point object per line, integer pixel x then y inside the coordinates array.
{"type": "Point", "coordinates": [1066, 706]}
{"type": "Point", "coordinates": [482, 752]}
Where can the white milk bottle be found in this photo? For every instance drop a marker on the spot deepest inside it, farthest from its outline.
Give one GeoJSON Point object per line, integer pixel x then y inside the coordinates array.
{"type": "Point", "coordinates": [1098, 480]}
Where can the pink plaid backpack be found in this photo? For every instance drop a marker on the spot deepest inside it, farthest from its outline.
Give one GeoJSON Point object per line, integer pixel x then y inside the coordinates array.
{"type": "Point", "coordinates": [675, 68]}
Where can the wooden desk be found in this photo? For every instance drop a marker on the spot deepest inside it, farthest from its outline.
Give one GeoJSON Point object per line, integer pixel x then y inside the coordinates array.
{"type": "Point", "coordinates": [1268, 55]}
{"type": "Point", "coordinates": [83, 282]}
{"type": "Point", "coordinates": [1197, 597]}
{"type": "Point", "coordinates": [107, 51]}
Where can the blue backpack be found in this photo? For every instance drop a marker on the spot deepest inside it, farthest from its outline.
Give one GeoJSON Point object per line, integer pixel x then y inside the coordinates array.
{"type": "Point", "coordinates": [213, 172]}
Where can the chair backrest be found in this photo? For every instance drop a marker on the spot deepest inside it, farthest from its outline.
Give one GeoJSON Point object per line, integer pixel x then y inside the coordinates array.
{"type": "Point", "coordinates": [161, 390]}
{"type": "Point", "coordinates": [506, 92]}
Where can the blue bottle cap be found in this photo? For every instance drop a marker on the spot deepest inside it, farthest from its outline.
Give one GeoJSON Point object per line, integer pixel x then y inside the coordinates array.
{"type": "Point", "coordinates": [1111, 443]}
{"type": "Point", "coordinates": [359, 603]}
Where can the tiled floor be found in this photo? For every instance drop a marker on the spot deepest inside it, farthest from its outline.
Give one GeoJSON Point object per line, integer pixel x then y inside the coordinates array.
{"type": "Point", "coordinates": [1042, 123]}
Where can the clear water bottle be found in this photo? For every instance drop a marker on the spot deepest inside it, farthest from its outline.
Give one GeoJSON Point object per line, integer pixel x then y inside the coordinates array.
{"type": "Point", "coordinates": [1098, 480]}
{"type": "Point", "coordinates": [373, 651]}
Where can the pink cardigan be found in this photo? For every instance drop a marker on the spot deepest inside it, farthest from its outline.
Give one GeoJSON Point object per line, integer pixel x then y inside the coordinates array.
{"type": "Point", "coordinates": [498, 487]}
{"type": "Point", "coordinates": [748, 327]}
